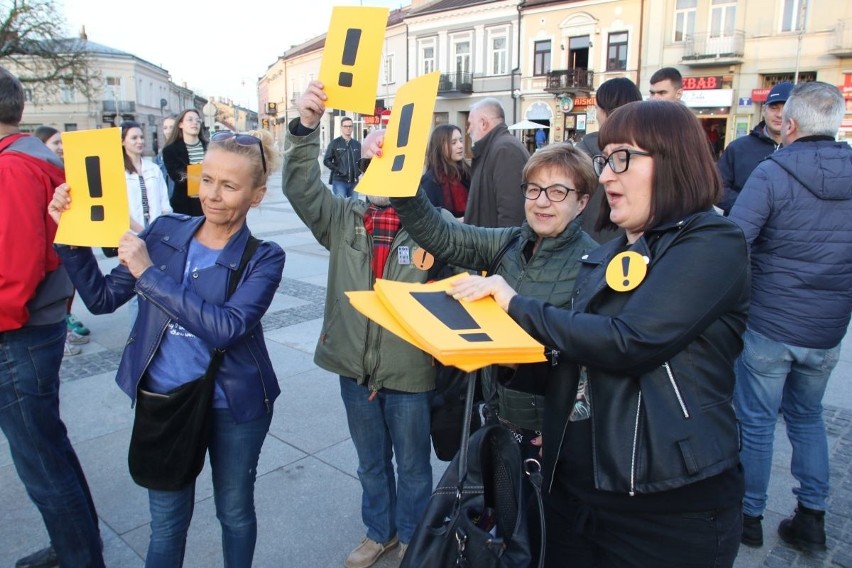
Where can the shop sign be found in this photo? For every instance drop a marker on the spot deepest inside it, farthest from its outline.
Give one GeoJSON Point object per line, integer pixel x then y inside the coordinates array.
{"type": "Point", "coordinates": [760, 95]}
{"type": "Point", "coordinates": [715, 98]}
{"type": "Point", "coordinates": [700, 83]}
{"type": "Point", "coordinates": [584, 101]}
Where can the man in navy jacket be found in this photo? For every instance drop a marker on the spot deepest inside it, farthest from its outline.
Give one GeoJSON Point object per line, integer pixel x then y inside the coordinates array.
{"type": "Point", "coordinates": [796, 213]}
{"type": "Point", "coordinates": [743, 154]}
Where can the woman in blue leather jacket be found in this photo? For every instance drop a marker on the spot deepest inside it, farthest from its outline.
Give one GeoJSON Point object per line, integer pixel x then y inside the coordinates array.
{"type": "Point", "coordinates": [179, 268]}
{"type": "Point", "coordinates": [640, 436]}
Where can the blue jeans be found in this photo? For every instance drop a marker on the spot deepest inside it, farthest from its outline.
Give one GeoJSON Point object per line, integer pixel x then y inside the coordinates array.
{"type": "Point", "coordinates": [38, 441]}
{"type": "Point", "coordinates": [234, 451]}
{"type": "Point", "coordinates": [392, 424]}
{"type": "Point", "coordinates": [343, 188]}
{"type": "Point", "coordinates": [773, 376]}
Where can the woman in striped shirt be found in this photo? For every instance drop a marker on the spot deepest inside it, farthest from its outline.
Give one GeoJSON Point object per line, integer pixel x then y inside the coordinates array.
{"type": "Point", "coordinates": [185, 146]}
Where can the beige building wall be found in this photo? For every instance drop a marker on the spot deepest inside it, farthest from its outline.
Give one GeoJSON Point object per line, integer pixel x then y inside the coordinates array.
{"type": "Point", "coordinates": [762, 48]}
{"type": "Point", "coordinates": [569, 109]}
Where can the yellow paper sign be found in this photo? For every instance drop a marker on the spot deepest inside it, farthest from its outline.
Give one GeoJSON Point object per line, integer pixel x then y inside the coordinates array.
{"type": "Point", "coordinates": [626, 271]}
{"type": "Point", "coordinates": [397, 172]}
{"type": "Point", "coordinates": [352, 56]}
{"type": "Point", "coordinates": [193, 179]}
{"type": "Point", "coordinates": [467, 335]}
{"type": "Point", "coordinates": [94, 170]}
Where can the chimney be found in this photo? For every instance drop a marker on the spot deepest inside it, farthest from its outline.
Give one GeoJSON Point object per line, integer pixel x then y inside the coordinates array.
{"type": "Point", "coordinates": [83, 35]}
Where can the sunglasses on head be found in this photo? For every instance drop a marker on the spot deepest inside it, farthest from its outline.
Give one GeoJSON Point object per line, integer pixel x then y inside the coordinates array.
{"type": "Point", "coordinates": [242, 140]}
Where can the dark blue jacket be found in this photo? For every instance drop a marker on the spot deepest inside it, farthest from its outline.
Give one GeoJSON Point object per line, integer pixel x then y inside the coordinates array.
{"type": "Point", "coordinates": [738, 161]}
{"type": "Point", "coordinates": [246, 375]}
{"type": "Point", "coordinates": [796, 213]}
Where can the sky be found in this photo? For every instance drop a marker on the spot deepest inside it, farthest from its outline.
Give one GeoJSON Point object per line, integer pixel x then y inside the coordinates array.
{"type": "Point", "coordinates": [217, 51]}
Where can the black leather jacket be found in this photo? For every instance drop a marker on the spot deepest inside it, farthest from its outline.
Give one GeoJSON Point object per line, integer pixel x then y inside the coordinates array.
{"type": "Point", "coordinates": [660, 358]}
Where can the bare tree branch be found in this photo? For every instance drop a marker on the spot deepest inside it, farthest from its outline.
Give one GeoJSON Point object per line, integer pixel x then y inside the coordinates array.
{"type": "Point", "coordinates": [33, 43]}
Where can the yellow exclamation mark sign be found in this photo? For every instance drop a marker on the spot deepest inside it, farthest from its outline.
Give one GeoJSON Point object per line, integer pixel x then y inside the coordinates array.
{"type": "Point", "coordinates": [626, 271]}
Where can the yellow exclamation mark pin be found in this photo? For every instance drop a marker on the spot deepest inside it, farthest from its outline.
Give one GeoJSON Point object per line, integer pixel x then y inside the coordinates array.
{"type": "Point", "coordinates": [626, 271]}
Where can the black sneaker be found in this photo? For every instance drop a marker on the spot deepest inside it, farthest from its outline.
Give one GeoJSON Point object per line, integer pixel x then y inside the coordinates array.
{"type": "Point", "coordinates": [804, 530]}
{"type": "Point", "coordinates": [752, 531]}
{"type": "Point", "coordinates": [44, 558]}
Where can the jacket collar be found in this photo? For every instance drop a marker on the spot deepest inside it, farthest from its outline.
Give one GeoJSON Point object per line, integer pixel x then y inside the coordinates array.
{"type": "Point", "coordinates": [641, 246]}
{"type": "Point", "coordinates": [483, 143]}
{"type": "Point", "coordinates": [230, 256]}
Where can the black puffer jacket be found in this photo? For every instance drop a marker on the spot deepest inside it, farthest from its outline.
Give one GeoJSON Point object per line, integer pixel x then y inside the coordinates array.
{"type": "Point", "coordinates": [660, 358]}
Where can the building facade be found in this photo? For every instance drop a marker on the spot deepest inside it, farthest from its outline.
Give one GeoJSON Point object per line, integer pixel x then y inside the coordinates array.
{"type": "Point", "coordinates": [131, 89]}
{"type": "Point", "coordinates": [544, 59]}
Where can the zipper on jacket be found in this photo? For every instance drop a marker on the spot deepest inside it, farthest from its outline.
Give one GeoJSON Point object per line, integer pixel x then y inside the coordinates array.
{"type": "Point", "coordinates": [676, 390]}
{"type": "Point", "coordinates": [262, 384]}
{"type": "Point", "coordinates": [562, 437]}
{"type": "Point", "coordinates": [635, 444]}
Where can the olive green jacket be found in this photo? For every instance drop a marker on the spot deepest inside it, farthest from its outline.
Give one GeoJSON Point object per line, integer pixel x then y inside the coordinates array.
{"type": "Point", "coordinates": [350, 344]}
{"type": "Point", "coordinates": [548, 275]}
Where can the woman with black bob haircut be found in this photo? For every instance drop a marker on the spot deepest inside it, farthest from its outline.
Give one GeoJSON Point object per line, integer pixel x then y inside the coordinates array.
{"type": "Point", "coordinates": [640, 437]}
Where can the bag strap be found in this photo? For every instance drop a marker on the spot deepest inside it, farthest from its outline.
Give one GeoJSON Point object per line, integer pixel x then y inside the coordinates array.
{"type": "Point", "coordinates": [471, 377]}
{"type": "Point", "coordinates": [233, 280]}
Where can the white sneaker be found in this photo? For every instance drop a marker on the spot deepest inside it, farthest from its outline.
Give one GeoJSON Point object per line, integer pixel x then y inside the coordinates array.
{"type": "Point", "coordinates": [75, 338]}
{"type": "Point", "coordinates": [71, 350]}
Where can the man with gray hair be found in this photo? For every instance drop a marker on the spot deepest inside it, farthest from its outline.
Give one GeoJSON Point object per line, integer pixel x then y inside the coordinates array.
{"type": "Point", "coordinates": [495, 198]}
{"type": "Point", "coordinates": [795, 211]}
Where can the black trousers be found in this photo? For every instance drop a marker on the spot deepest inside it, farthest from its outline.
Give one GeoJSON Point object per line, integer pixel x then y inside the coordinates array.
{"type": "Point", "coordinates": [580, 535]}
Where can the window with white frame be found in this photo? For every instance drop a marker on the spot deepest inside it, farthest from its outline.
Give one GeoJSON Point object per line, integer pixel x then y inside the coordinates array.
{"type": "Point", "coordinates": [793, 15]}
{"type": "Point", "coordinates": [723, 17]}
{"type": "Point", "coordinates": [684, 19]}
{"type": "Point", "coordinates": [461, 54]}
{"type": "Point", "coordinates": [66, 91]}
{"type": "Point", "coordinates": [387, 69]}
{"type": "Point", "coordinates": [616, 52]}
{"type": "Point", "coordinates": [498, 47]}
{"type": "Point", "coordinates": [427, 56]}
{"type": "Point", "coordinates": [541, 57]}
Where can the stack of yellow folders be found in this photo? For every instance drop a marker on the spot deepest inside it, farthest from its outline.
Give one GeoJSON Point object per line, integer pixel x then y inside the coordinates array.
{"type": "Point", "coordinates": [467, 335]}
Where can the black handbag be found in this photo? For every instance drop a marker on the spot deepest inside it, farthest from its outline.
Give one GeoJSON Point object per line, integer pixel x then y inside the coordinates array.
{"type": "Point", "coordinates": [476, 517]}
{"type": "Point", "coordinates": [171, 431]}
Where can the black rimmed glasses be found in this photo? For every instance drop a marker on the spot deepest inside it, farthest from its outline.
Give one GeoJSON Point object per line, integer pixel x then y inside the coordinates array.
{"type": "Point", "coordinates": [242, 140]}
{"type": "Point", "coordinates": [618, 160]}
{"type": "Point", "coordinates": [555, 193]}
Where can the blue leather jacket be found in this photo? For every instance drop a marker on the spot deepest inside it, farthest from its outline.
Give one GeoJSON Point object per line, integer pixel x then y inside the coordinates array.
{"type": "Point", "coordinates": [246, 375]}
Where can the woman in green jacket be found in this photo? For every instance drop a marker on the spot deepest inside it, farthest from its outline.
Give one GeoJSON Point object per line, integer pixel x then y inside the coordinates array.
{"type": "Point", "coordinates": [542, 259]}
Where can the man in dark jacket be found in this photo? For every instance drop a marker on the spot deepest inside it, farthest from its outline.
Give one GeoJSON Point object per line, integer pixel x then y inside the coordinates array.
{"type": "Point", "coordinates": [495, 198]}
{"type": "Point", "coordinates": [743, 154]}
{"type": "Point", "coordinates": [34, 288]}
{"type": "Point", "coordinates": [795, 211]}
{"type": "Point", "coordinates": [341, 157]}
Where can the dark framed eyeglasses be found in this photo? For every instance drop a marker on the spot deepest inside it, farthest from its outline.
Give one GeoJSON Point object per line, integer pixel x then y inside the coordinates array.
{"type": "Point", "coordinates": [363, 164]}
{"type": "Point", "coordinates": [555, 193]}
{"type": "Point", "coordinates": [242, 140]}
{"type": "Point", "coordinates": [618, 161]}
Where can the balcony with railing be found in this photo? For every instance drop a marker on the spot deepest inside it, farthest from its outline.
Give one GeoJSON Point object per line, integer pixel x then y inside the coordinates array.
{"type": "Point", "coordinates": [569, 80]}
{"type": "Point", "coordinates": [713, 49]}
{"type": "Point", "coordinates": [455, 83]}
{"type": "Point", "coordinates": [841, 44]}
{"type": "Point", "coordinates": [124, 107]}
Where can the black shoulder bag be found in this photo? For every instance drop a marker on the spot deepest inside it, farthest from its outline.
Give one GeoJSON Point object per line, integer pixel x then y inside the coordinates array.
{"type": "Point", "coordinates": [477, 515]}
{"type": "Point", "coordinates": [171, 431]}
